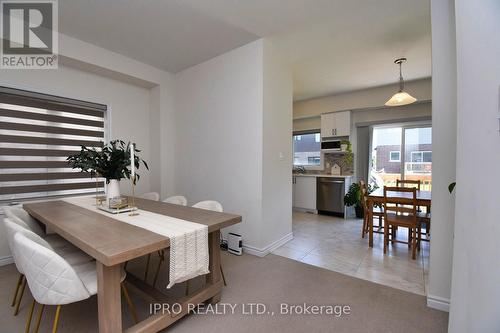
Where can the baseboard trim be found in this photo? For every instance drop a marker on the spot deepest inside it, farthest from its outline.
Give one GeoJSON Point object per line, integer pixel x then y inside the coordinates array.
{"type": "Point", "coordinates": [305, 210]}
{"type": "Point", "coordinates": [438, 303]}
{"type": "Point", "coordinates": [6, 260]}
{"type": "Point", "coordinates": [268, 249]}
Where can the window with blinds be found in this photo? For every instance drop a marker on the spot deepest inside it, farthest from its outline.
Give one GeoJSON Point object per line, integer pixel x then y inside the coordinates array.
{"type": "Point", "coordinates": [37, 133]}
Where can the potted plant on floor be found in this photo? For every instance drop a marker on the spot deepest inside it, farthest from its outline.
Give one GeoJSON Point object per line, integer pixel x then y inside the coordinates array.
{"type": "Point", "coordinates": [111, 162]}
{"type": "Point", "coordinates": [354, 198]}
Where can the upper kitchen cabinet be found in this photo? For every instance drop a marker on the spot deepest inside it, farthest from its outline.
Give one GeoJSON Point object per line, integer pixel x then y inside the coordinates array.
{"type": "Point", "coordinates": [336, 124]}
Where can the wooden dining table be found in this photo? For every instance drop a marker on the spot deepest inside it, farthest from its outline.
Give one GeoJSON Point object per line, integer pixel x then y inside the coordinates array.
{"type": "Point", "coordinates": [112, 243]}
{"type": "Point", "coordinates": [377, 197]}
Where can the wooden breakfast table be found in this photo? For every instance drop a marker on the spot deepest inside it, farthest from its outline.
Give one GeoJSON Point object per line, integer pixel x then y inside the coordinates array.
{"type": "Point", "coordinates": [377, 197]}
{"type": "Point", "coordinates": [112, 243]}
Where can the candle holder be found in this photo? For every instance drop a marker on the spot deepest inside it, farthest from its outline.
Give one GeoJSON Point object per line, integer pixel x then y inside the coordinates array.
{"type": "Point", "coordinates": [132, 201]}
{"type": "Point", "coordinates": [98, 199]}
{"type": "Point", "coordinates": [96, 189]}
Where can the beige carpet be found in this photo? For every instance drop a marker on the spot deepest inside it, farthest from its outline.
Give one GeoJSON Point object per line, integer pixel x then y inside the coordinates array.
{"type": "Point", "coordinates": [271, 280]}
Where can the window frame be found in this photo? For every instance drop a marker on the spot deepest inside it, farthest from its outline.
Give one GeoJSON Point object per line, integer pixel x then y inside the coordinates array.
{"type": "Point", "coordinates": [421, 152]}
{"type": "Point", "coordinates": [390, 156]}
{"type": "Point", "coordinates": [321, 154]}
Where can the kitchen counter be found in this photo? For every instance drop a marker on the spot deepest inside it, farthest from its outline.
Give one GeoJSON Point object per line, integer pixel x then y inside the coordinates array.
{"type": "Point", "coordinates": [320, 175]}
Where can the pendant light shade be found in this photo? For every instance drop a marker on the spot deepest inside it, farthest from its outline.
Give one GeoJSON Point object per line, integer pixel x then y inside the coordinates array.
{"type": "Point", "coordinates": [401, 97]}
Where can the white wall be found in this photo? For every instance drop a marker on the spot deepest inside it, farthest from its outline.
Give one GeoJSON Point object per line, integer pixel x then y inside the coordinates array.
{"type": "Point", "coordinates": [96, 60]}
{"type": "Point", "coordinates": [475, 291]}
{"type": "Point", "coordinates": [277, 148]}
{"type": "Point", "coordinates": [219, 135]}
{"type": "Point", "coordinates": [444, 124]}
{"type": "Point", "coordinates": [234, 117]}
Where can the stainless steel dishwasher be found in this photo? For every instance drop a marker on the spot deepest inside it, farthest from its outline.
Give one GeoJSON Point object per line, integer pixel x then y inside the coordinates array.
{"type": "Point", "coordinates": [330, 195]}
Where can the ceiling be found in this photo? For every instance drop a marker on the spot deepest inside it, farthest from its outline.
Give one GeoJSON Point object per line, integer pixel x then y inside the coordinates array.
{"type": "Point", "coordinates": [333, 45]}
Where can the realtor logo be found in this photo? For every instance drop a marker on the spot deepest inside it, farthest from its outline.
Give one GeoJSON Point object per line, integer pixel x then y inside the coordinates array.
{"type": "Point", "coordinates": [29, 34]}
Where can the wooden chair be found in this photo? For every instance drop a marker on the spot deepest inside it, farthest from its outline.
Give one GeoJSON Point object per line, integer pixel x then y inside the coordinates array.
{"type": "Point", "coordinates": [408, 183]}
{"type": "Point", "coordinates": [425, 217]}
{"type": "Point", "coordinates": [377, 211]}
{"type": "Point", "coordinates": [405, 216]}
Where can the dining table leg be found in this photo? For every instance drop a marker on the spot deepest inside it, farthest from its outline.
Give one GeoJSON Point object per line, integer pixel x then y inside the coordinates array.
{"type": "Point", "coordinates": [109, 298]}
{"type": "Point", "coordinates": [370, 222]}
{"type": "Point", "coordinates": [214, 265]}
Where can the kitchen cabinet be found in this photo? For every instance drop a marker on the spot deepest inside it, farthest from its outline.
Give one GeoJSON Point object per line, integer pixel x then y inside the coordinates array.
{"type": "Point", "coordinates": [304, 193]}
{"type": "Point", "coordinates": [336, 124]}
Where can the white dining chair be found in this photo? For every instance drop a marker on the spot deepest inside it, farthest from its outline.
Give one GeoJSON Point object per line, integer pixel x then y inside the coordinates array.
{"type": "Point", "coordinates": [216, 207]}
{"type": "Point", "coordinates": [73, 257]}
{"type": "Point", "coordinates": [53, 281]}
{"type": "Point", "coordinates": [155, 196]}
{"type": "Point", "coordinates": [176, 200]}
{"type": "Point", "coordinates": [21, 217]}
{"type": "Point", "coordinates": [17, 213]}
{"type": "Point", "coordinates": [209, 205]}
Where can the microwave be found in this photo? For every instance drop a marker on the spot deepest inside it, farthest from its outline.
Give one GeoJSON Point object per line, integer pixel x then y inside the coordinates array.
{"type": "Point", "coordinates": [331, 145]}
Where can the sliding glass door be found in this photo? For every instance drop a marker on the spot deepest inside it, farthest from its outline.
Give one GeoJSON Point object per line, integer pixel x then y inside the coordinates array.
{"type": "Point", "coordinates": [401, 152]}
{"type": "Point", "coordinates": [418, 155]}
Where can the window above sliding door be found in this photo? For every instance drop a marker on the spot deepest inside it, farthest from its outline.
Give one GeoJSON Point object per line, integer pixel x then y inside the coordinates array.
{"type": "Point", "coordinates": [37, 133]}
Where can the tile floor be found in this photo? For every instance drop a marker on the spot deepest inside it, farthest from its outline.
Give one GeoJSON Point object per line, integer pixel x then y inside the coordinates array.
{"type": "Point", "coordinates": [336, 244]}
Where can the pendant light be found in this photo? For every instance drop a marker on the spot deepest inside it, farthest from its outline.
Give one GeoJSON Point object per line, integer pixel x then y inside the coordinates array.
{"type": "Point", "coordinates": [401, 97]}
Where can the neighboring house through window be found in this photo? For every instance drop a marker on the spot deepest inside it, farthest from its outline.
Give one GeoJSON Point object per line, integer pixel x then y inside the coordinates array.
{"type": "Point", "coordinates": [421, 156]}
{"type": "Point", "coordinates": [395, 156]}
{"type": "Point", "coordinates": [307, 149]}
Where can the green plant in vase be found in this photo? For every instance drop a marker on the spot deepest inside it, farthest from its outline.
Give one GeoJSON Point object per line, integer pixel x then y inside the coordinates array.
{"type": "Point", "coordinates": [112, 162]}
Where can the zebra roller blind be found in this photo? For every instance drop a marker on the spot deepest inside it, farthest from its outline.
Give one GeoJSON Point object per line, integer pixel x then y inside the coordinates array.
{"type": "Point", "coordinates": [37, 133]}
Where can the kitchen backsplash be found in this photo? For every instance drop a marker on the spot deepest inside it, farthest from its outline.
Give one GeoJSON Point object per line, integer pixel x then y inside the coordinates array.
{"type": "Point", "coordinates": [330, 160]}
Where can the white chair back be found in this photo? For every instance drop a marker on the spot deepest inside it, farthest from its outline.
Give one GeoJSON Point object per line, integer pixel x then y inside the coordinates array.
{"type": "Point", "coordinates": [52, 281]}
{"type": "Point", "coordinates": [11, 229]}
{"type": "Point", "coordinates": [177, 200]}
{"type": "Point", "coordinates": [209, 205]}
{"type": "Point", "coordinates": [155, 196]}
{"type": "Point", "coordinates": [18, 215]}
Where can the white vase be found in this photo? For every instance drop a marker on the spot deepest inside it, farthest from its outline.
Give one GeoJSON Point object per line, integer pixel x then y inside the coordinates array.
{"type": "Point", "coordinates": [113, 189]}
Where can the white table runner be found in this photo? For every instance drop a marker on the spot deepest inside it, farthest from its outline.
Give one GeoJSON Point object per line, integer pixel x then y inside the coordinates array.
{"type": "Point", "coordinates": [188, 240]}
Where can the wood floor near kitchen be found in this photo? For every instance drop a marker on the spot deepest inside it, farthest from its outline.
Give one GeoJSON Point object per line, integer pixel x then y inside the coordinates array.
{"type": "Point", "coordinates": [336, 244]}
